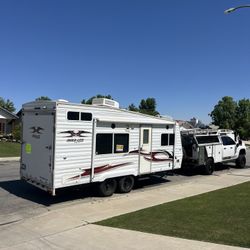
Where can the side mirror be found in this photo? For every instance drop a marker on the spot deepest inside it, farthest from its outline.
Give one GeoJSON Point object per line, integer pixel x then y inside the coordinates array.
{"type": "Point", "coordinates": [239, 143]}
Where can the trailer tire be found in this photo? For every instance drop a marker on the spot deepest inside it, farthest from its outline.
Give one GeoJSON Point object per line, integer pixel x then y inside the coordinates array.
{"type": "Point", "coordinates": [241, 161]}
{"type": "Point", "coordinates": [209, 167]}
{"type": "Point", "coordinates": [107, 187]}
{"type": "Point", "coordinates": [126, 184]}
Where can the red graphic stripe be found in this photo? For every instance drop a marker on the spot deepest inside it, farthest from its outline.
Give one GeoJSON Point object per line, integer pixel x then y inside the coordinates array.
{"type": "Point", "coordinates": [152, 156]}
{"type": "Point", "coordinates": [100, 169]}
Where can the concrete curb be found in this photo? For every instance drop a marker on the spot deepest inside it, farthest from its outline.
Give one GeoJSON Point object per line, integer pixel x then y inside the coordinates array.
{"type": "Point", "coordinates": [6, 159]}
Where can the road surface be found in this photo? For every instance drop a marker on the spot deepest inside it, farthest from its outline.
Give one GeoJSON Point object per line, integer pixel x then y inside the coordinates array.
{"type": "Point", "coordinates": [19, 200]}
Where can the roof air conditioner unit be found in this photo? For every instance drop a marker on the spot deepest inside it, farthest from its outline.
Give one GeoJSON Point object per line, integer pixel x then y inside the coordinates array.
{"type": "Point", "coordinates": [105, 102]}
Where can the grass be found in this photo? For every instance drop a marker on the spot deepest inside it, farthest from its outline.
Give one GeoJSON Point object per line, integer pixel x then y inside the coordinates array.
{"type": "Point", "coordinates": [9, 149]}
{"type": "Point", "coordinates": [221, 216]}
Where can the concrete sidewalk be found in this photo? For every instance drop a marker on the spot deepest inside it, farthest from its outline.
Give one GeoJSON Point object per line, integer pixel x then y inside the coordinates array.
{"type": "Point", "coordinates": [93, 237]}
{"type": "Point", "coordinates": [5, 159]}
{"type": "Point", "coordinates": [71, 228]}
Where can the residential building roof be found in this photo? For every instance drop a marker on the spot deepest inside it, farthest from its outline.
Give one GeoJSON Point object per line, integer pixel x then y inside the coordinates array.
{"type": "Point", "coordinates": [6, 114]}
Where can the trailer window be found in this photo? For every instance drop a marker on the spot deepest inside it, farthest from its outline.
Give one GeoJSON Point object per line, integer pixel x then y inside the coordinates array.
{"type": "Point", "coordinates": [171, 139]}
{"type": "Point", "coordinates": [145, 136]}
{"type": "Point", "coordinates": [86, 116]}
{"type": "Point", "coordinates": [73, 116]}
{"type": "Point", "coordinates": [167, 139]}
{"type": "Point", "coordinates": [121, 142]}
{"type": "Point", "coordinates": [164, 139]}
{"type": "Point", "coordinates": [104, 143]}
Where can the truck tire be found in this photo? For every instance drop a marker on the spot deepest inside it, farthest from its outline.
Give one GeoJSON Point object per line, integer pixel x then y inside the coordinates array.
{"type": "Point", "coordinates": [241, 161]}
{"type": "Point", "coordinates": [107, 187]}
{"type": "Point", "coordinates": [126, 184]}
{"type": "Point", "coordinates": [209, 167]}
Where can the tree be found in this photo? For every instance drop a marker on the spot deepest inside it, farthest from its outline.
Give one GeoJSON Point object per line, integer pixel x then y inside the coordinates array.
{"type": "Point", "coordinates": [132, 107]}
{"type": "Point", "coordinates": [43, 98]}
{"type": "Point", "coordinates": [233, 115]}
{"type": "Point", "coordinates": [243, 118]}
{"type": "Point", "coordinates": [147, 106]}
{"type": "Point", "coordinates": [224, 113]}
{"type": "Point", "coordinates": [89, 101]}
{"type": "Point", "coordinates": [9, 105]}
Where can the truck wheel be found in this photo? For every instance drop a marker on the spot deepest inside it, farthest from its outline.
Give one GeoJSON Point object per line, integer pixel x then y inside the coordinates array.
{"type": "Point", "coordinates": [107, 187]}
{"type": "Point", "coordinates": [126, 184]}
{"type": "Point", "coordinates": [241, 161]}
{"type": "Point", "coordinates": [209, 167]}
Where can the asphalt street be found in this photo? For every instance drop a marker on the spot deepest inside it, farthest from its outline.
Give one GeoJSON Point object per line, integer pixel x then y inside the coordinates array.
{"type": "Point", "coordinates": [19, 200]}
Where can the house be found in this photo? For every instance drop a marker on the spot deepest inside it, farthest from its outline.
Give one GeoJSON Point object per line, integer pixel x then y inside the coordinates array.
{"type": "Point", "coordinates": [184, 125]}
{"type": "Point", "coordinates": [7, 121]}
{"type": "Point", "coordinates": [194, 122]}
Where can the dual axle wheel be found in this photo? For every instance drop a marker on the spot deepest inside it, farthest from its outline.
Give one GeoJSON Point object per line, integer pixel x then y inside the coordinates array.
{"type": "Point", "coordinates": [123, 185]}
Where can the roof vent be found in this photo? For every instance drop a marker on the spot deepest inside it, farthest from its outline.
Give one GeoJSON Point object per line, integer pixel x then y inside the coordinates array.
{"type": "Point", "coordinates": [62, 100]}
{"type": "Point", "coordinates": [105, 102]}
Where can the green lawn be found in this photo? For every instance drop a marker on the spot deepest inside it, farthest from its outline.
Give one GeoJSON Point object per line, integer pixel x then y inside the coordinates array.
{"type": "Point", "coordinates": [221, 216]}
{"type": "Point", "coordinates": [9, 149]}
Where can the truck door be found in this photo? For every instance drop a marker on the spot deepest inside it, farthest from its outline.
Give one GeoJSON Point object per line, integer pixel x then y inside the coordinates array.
{"type": "Point", "coordinates": [145, 149]}
{"type": "Point", "coordinates": [229, 147]}
{"type": "Point", "coordinates": [37, 147]}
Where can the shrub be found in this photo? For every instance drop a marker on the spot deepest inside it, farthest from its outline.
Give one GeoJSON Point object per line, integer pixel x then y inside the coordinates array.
{"type": "Point", "coordinates": [17, 132]}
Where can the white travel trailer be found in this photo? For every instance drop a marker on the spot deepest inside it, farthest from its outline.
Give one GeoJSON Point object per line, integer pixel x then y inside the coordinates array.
{"type": "Point", "coordinates": [66, 144]}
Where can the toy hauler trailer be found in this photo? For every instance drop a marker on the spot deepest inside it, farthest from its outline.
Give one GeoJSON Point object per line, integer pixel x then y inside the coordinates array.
{"type": "Point", "coordinates": [66, 144]}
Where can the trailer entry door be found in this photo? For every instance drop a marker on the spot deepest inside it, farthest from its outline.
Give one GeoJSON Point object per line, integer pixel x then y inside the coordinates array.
{"type": "Point", "coordinates": [145, 149]}
{"type": "Point", "coordinates": [37, 147]}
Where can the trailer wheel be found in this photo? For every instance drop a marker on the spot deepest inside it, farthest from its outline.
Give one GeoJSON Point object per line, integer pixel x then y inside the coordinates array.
{"type": "Point", "coordinates": [126, 184]}
{"type": "Point", "coordinates": [241, 161]}
{"type": "Point", "coordinates": [209, 167]}
{"type": "Point", "coordinates": [107, 187]}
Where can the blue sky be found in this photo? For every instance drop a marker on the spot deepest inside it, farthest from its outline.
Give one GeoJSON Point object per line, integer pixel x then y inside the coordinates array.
{"type": "Point", "coordinates": [186, 54]}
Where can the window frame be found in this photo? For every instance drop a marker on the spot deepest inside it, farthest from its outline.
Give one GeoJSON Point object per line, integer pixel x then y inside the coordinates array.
{"type": "Point", "coordinates": [169, 135]}
{"type": "Point", "coordinates": [73, 112]}
{"type": "Point", "coordinates": [147, 137]}
{"type": "Point", "coordinates": [79, 116]}
{"type": "Point", "coordinates": [171, 139]}
{"type": "Point", "coordinates": [228, 141]}
{"type": "Point", "coordinates": [114, 134]}
{"type": "Point", "coordinates": [112, 138]}
{"type": "Point", "coordinates": [87, 113]}
{"type": "Point", "coordinates": [112, 143]}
